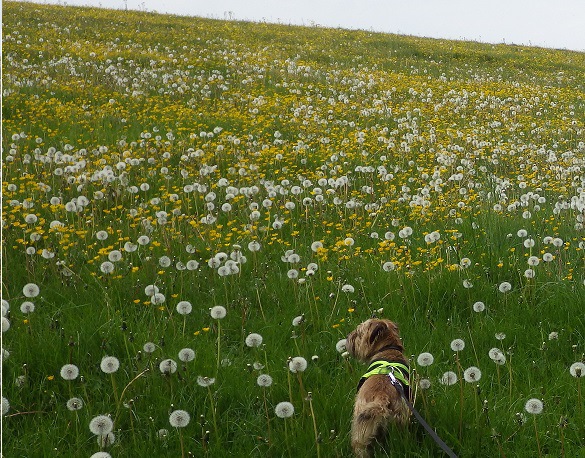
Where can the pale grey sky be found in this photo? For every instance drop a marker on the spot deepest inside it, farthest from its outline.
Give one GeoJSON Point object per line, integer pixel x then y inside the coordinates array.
{"type": "Point", "coordinates": [548, 23]}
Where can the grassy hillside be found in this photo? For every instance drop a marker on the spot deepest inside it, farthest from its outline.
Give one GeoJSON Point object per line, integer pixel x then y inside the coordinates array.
{"type": "Point", "coordinates": [160, 170]}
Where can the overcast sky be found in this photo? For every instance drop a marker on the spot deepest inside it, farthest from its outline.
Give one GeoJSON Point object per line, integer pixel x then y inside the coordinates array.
{"type": "Point", "coordinates": [548, 23]}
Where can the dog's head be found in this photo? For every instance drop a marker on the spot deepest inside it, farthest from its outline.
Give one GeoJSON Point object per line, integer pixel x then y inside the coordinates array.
{"type": "Point", "coordinates": [371, 337]}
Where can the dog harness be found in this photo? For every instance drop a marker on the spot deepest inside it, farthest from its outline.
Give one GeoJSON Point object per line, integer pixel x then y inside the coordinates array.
{"type": "Point", "coordinates": [395, 370]}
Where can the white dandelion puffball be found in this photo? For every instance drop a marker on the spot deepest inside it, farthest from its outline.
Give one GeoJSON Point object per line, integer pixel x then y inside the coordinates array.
{"type": "Point", "coordinates": [425, 359]}
{"type": "Point", "coordinates": [341, 345]}
{"type": "Point", "coordinates": [149, 347]}
{"type": "Point", "coordinates": [5, 324]}
{"type": "Point", "coordinates": [184, 307]}
{"type": "Point", "coordinates": [101, 455]}
{"type": "Point", "coordinates": [74, 404]}
{"type": "Point", "coordinates": [186, 355]}
{"type": "Point", "coordinates": [504, 287]}
{"type": "Point", "coordinates": [534, 406]}
{"type": "Point", "coordinates": [5, 406]}
{"type": "Point", "coordinates": [388, 266]}
{"type": "Point", "coordinates": [107, 267]}
{"type": "Point", "coordinates": [497, 356]}
{"type": "Point", "coordinates": [205, 381]}
{"type": "Point", "coordinates": [109, 364]}
{"type": "Point", "coordinates": [297, 364]}
{"type": "Point", "coordinates": [457, 345]}
{"type": "Point", "coordinates": [100, 425]}
{"type": "Point", "coordinates": [347, 289]}
{"type": "Point", "coordinates": [478, 307]}
{"type": "Point", "coordinates": [254, 340]}
{"type": "Point", "coordinates": [424, 383]}
{"type": "Point", "coordinates": [69, 372]}
{"type": "Point", "coordinates": [577, 369]}
{"type": "Point", "coordinates": [315, 246]}
{"type": "Point", "coordinates": [472, 374]}
{"type": "Point", "coordinates": [30, 290]}
{"type": "Point", "coordinates": [151, 290]}
{"type": "Point", "coordinates": [157, 298]}
{"type": "Point", "coordinates": [284, 409]}
{"type": "Point", "coordinates": [218, 312]}
{"type": "Point", "coordinates": [449, 378]}
{"type": "Point", "coordinates": [297, 320]}
{"type": "Point", "coordinates": [179, 418]}
{"type": "Point", "coordinates": [27, 307]}
{"type": "Point", "coordinates": [106, 440]}
{"type": "Point", "coordinates": [168, 366]}
{"type": "Point", "coordinates": [264, 380]}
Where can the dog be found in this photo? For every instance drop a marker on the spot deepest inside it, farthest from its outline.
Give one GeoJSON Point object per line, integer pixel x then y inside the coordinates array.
{"type": "Point", "coordinates": [378, 402]}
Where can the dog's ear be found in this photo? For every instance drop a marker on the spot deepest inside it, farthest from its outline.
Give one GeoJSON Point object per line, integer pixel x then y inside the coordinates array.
{"type": "Point", "coordinates": [379, 331]}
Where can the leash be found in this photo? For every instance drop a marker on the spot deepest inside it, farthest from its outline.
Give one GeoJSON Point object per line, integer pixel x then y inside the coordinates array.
{"type": "Point", "coordinates": [396, 383]}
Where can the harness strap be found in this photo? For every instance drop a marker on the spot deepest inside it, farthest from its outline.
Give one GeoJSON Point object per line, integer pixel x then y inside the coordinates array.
{"type": "Point", "coordinates": [420, 419]}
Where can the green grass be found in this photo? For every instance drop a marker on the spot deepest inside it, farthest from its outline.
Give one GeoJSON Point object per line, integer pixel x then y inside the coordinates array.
{"type": "Point", "coordinates": [473, 141]}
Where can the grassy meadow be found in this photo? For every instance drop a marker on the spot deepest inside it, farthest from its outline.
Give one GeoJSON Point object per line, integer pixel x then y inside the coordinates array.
{"type": "Point", "coordinates": [195, 214]}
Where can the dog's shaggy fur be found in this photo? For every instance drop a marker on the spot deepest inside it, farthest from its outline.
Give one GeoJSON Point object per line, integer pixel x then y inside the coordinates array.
{"type": "Point", "coordinates": [377, 402]}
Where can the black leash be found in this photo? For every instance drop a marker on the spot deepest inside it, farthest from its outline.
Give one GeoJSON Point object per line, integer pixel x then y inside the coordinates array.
{"type": "Point", "coordinates": [420, 419]}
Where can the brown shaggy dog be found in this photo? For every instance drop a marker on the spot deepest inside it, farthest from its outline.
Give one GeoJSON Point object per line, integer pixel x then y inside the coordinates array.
{"type": "Point", "coordinates": [377, 402]}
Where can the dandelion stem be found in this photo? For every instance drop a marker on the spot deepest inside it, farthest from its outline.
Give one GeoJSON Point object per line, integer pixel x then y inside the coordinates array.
{"type": "Point", "coordinates": [213, 413]}
{"type": "Point", "coordinates": [310, 398]}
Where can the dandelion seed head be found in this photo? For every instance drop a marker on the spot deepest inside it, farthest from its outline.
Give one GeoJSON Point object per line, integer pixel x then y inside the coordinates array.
{"type": "Point", "coordinates": [30, 290]}
{"type": "Point", "coordinates": [425, 359]}
{"type": "Point", "coordinates": [168, 366]}
{"type": "Point", "coordinates": [100, 425]}
{"type": "Point", "coordinates": [478, 307]}
{"type": "Point", "coordinates": [577, 369]}
{"type": "Point", "coordinates": [184, 307]}
{"type": "Point", "coordinates": [297, 364]}
{"type": "Point", "coordinates": [74, 404]}
{"type": "Point", "coordinates": [69, 372]}
{"type": "Point", "coordinates": [534, 406]}
{"type": "Point", "coordinates": [449, 378]}
{"type": "Point", "coordinates": [504, 287]}
{"type": "Point", "coordinates": [205, 381]}
{"type": "Point", "coordinates": [106, 440]}
{"type": "Point", "coordinates": [5, 406]}
{"type": "Point", "coordinates": [264, 380]}
{"type": "Point", "coordinates": [253, 340]}
{"type": "Point", "coordinates": [149, 347]}
{"type": "Point", "coordinates": [472, 374]}
{"type": "Point", "coordinates": [218, 312]}
{"type": "Point", "coordinates": [109, 364]}
{"type": "Point", "coordinates": [341, 345]}
{"type": "Point", "coordinates": [284, 409]}
{"type": "Point", "coordinates": [27, 307]}
{"type": "Point", "coordinates": [457, 344]}
{"type": "Point", "coordinates": [186, 355]}
{"type": "Point", "coordinates": [179, 418]}
{"type": "Point", "coordinates": [424, 383]}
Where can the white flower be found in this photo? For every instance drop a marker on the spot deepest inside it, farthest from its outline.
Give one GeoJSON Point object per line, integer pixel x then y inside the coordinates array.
{"type": "Point", "coordinates": [27, 307]}
{"type": "Point", "coordinates": [101, 425]}
{"type": "Point", "coordinates": [157, 298]}
{"type": "Point", "coordinates": [457, 345]}
{"type": "Point", "coordinates": [388, 266]}
{"type": "Point", "coordinates": [149, 347]}
{"type": "Point", "coordinates": [577, 369]}
{"type": "Point", "coordinates": [168, 366]}
{"type": "Point", "coordinates": [284, 409]}
{"type": "Point", "coordinates": [109, 364]}
{"type": "Point", "coordinates": [297, 364]}
{"type": "Point", "coordinates": [74, 404]}
{"type": "Point", "coordinates": [105, 440]}
{"type": "Point", "coordinates": [205, 381]}
{"type": "Point", "coordinates": [425, 359]}
{"type": "Point", "coordinates": [504, 287]}
{"type": "Point", "coordinates": [534, 406]}
{"type": "Point", "coordinates": [184, 307]}
{"type": "Point", "coordinates": [315, 246]}
{"type": "Point", "coordinates": [449, 378]}
{"type": "Point", "coordinates": [497, 356]}
{"type": "Point", "coordinates": [478, 306]}
{"type": "Point", "coordinates": [69, 372]}
{"type": "Point", "coordinates": [347, 289]}
{"type": "Point", "coordinates": [5, 406]}
{"type": "Point", "coordinates": [254, 340]}
{"type": "Point", "coordinates": [186, 355]}
{"type": "Point", "coordinates": [298, 320]}
{"type": "Point", "coordinates": [341, 345]}
{"type": "Point", "coordinates": [179, 418]}
{"type": "Point", "coordinates": [472, 374]}
{"type": "Point", "coordinates": [30, 290]}
{"type": "Point", "coordinates": [218, 312]}
{"type": "Point", "coordinates": [264, 380]}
